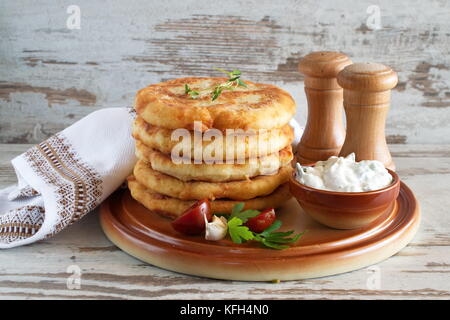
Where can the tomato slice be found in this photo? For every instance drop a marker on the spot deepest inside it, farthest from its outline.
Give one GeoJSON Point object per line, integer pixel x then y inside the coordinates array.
{"type": "Point", "coordinates": [192, 221]}
{"type": "Point", "coordinates": [262, 221]}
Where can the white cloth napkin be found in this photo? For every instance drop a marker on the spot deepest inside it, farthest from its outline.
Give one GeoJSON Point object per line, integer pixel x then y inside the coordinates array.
{"type": "Point", "coordinates": [68, 175]}
{"type": "Point", "coordinates": [63, 178]}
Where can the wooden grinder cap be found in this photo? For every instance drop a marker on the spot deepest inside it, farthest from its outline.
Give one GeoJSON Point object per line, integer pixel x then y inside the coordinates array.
{"type": "Point", "coordinates": [367, 92]}
{"type": "Point", "coordinates": [371, 77]}
{"type": "Point", "coordinates": [323, 64]}
{"type": "Point", "coordinates": [324, 132]}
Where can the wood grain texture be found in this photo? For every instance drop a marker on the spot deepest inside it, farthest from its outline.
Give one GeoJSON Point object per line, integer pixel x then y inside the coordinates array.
{"type": "Point", "coordinates": [51, 76]}
{"type": "Point", "coordinates": [367, 93]}
{"type": "Point", "coordinates": [324, 132]}
{"type": "Point", "coordinates": [420, 271]}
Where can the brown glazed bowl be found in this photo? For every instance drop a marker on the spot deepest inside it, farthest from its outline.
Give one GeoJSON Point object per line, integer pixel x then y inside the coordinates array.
{"type": "Point", "coordinates": [345, 210]}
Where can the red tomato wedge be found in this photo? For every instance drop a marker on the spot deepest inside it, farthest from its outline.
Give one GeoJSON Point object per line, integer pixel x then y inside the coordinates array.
{"type": "Point", "coordinates": [192, 221]}
{"type": "Point", "coordinates": [262, 221]}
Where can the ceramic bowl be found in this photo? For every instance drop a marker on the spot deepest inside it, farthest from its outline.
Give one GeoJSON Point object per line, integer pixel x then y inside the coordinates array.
{"type": "Point", "coordinates": [345, 210]}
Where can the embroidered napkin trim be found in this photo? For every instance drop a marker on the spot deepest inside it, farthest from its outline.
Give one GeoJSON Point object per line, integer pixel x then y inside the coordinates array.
{"type": "Point", "coordinates": [78, 189]}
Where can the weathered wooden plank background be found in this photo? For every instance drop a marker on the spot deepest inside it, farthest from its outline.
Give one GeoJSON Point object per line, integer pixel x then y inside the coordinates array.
{"type": "Point", "coordinates": [50, 75]}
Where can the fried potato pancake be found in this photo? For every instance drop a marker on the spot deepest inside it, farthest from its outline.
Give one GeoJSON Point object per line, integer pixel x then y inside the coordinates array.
{"type": "Point", "coordinates": [214, 172]}
{"type": "Point", "coordinates": [239, 147]}
{"type": "Point", "coordinates": [173, 208]}
{"type": "Point", "coordinates": [196, 190]}
{"type": "Point", "coordinates": [257, 106]}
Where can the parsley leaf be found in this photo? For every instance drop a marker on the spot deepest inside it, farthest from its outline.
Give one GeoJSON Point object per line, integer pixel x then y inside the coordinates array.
{"type": "Point", "coordinates": [277, 240]}
{"type": "Point", "coordinates": [269, 237]}
{"type": "Point", "coordinates": [273, 245]}
{"type": "Point", "coordinates": [274, 226]}
{"type": "Point", "coordinates": [237, 208]}
{"type": "Point", "coordinates": [238, 232]}
{"type": "Point", "coordinates": [243, 215]}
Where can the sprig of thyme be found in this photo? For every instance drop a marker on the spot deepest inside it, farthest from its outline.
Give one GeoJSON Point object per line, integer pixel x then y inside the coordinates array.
{"type": "Point", "coordinates": [233, 82]}
{"type": "Point", "coordinates": [192, 93]}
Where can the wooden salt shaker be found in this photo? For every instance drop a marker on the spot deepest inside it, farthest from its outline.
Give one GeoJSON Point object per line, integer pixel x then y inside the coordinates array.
{"type": "Point", "coordinates": [324, 132]}
{"type": "Point", "coordinates": [367, 92]}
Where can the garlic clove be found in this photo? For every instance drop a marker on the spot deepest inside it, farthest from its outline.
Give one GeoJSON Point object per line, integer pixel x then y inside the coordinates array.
{"type": "Point", "coordinates": [216, 229]}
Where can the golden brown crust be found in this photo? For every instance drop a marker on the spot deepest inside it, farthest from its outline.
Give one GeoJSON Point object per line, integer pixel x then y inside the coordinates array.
{"type": "Point", "coordinates": [196, 190]}
{"type": "Point", "coordinates": [214, 172]}
{"type": "Point", "coordinates": [173, 208]}
{"type": "Point", "coordinates": [259, 106]}
{"type": "Point", "coordinates": [272, 140]}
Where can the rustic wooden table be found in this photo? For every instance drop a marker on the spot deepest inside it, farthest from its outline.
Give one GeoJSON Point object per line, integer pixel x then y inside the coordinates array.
{"type": "Point", "coordinates": [419, 271]}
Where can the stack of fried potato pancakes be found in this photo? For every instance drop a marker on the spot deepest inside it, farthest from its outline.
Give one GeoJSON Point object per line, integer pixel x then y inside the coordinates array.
{"type": "Point", "coordinates": [234, 147]}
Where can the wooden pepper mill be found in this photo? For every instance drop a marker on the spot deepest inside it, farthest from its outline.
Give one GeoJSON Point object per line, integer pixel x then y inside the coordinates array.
{"type": "Point", "coordinates": [324, 132]}
{"type": "Point", "coordinates": [367, 92]}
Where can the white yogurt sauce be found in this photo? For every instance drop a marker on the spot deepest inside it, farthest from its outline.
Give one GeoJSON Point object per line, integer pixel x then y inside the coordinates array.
{"type": "Point", "coordinates": [345, 175]}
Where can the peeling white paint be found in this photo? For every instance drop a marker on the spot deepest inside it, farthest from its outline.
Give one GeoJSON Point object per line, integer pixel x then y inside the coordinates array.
{"type": "Point", "coordinates": [262, 38]}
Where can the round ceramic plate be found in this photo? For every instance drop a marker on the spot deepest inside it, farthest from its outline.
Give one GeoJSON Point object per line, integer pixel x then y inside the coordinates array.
{"type": "Point", "coordinates": [321, 251]}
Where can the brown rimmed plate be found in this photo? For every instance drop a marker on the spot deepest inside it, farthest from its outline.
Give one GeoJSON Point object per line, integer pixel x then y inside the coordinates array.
{"type": "Point", "coordinates": [322, 251]}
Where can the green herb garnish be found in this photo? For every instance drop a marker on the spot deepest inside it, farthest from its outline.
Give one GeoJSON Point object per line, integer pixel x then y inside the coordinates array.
{"type": "Point", "coordinates": [238, 232]}
{"type": "Point", "coordinates": [277, 240]}
{"type": "Point", "coordinates": [269, 238]}
{"type": "Point", "coordinates": [233, 82]}
{"type": "Point", "coordinates": [192, 93]}
{"type": "Point", "coordinates": [243, 215]}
